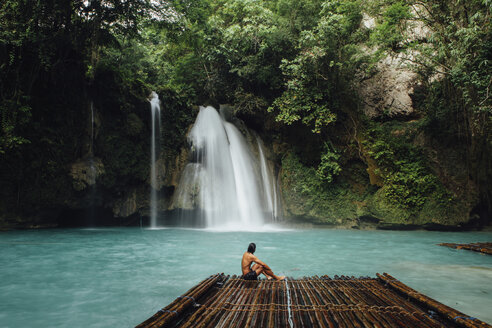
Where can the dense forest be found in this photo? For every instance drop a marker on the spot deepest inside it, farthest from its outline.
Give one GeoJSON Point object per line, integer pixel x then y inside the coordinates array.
{"type": "Point", "coordinates": [374, 111]}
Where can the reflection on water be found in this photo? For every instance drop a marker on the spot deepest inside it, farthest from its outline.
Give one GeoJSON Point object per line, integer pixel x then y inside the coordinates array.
{"type": "Point", "coordinates": [120, 277]}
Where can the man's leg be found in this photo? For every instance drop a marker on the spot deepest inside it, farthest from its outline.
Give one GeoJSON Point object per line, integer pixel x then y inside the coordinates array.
{"type": "Point", "coordinates": [269, 273]}
{"type": "Point", "coordinates": [256, 267]}
{"type": "Point", "coordinates": [266, 271]}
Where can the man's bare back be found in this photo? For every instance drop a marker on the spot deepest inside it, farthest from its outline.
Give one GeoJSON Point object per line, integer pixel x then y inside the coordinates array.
{"type": "Point", "coordinates": [246, 262]}
{"type": "Point", "coordinates": [258, 268]}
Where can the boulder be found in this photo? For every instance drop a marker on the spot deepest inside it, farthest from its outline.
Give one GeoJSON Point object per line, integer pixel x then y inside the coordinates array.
{"type": "Point", "coordinates": [388, 92]}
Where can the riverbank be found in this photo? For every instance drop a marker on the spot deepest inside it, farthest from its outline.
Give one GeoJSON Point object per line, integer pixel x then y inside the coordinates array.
{"type": "Point", "coordinates": [290, 224]}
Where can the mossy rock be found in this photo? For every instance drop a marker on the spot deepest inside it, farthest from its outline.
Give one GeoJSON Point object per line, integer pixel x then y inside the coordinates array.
{"type": "Point", "coordinates": [381, 208]}
{"type": "Point", "coordinates": [434, 212]}
{"type": "Point", "coordinates": [308, 198]}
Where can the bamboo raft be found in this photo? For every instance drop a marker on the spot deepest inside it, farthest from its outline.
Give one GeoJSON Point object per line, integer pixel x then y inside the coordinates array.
{"type": "Point", "coordinates": [229, 301]}
{"type": "Point", "coordinates": [485, 248]}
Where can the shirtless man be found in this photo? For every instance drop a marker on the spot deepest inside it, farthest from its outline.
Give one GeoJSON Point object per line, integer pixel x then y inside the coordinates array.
{"type": "Point", "coordinates": [252, 273]}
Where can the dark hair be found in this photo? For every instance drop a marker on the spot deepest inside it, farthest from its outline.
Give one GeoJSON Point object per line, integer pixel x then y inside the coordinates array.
{"type": "Point", "coordinates": [252, 248]}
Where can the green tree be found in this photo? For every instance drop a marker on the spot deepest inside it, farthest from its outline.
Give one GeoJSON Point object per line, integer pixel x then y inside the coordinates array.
{"type": "Point", "coordinates": [320, 75]}
{"type": "Point", "coordinates": [448, 43]}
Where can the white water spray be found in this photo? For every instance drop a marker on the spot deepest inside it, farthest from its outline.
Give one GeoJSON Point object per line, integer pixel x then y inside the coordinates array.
{"type": "Point", "coordinates": [223, 180]}
{"type": "Point", "coordinates": [156, 127]}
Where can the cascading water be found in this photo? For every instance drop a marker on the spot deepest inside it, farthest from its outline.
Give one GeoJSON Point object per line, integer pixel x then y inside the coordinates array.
{"type": "Point", "coordinates": [156, 127]}
{"type": "Point", "coordinates": [223, 180]}
{"type": "Point", "coordinates": [247, 189]}
{"type": "Point", "coordinates": [269, 185]}
{"type": "Point", "coordinates": [92, 167]}
{"type": "Point", "coordinates": [92, 127]}
{"type": "Point", "coordinates": [92, 174]}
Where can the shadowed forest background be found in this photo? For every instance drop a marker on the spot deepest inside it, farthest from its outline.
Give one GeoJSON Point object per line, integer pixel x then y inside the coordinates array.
{"type": "Point", "coordinates": [375, 112]}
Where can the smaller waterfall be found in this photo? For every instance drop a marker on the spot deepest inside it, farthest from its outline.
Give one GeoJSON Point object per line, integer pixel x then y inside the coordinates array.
{"type": "Point", "coordinates": [92, 173]}
{"type": "Point", "coordinates": [92, 166]}
{"type": "Point", "coordinates": [92, 127]}
{"type": "Point", "coordinates": [156, 127]}
{"type": "Point", "coordinates": [269, 185]}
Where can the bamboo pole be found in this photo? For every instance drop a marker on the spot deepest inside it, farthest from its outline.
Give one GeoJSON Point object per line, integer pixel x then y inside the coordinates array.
{"type": "Point", "coordinates": [485, 248]}
{"type": "Point", "coordinates": [347, 288]}
{"type": "Point", "coordinates": [297, 299]}
{"type": "Point", "coordinates": [317, 302]}
{"type": "Point", "coordinates": [355, 289]}
{"type": "Point", "coordinates": [334, 318]}
{"type": "Point", "coordinates": [256, 317]}
{"type": "Point", "coordinates": [378, 317]}
{"type": "Point", "coordinates": [245, 319]}
{"type": "Point", "coordinates": [271, 312]}
{"type": "Point", "coordinates": [174, 306]}
{"type": "Point", "coordinates": [205, 311]}
{"type": "Point", "coordinates": [334, 288]}
{"type": "Point", "coordinates": [181, 303]}
{"type": "Point", "coordinates": [242, 316]}
{"type": "Point", "coordinates": [253, 314]}
{"type": "Point", "coordinates": [323, 285]}
{"type": "Point", "coordinates": [231, 306]}
{"type": "Point", "coordinates": [218, 308]}
{"type": "Point", "coordinates": [447, 312]}
{"type": "Point", "coordinates": [306, 301]}
{"type": "Point", "coordinates": [344, 302]}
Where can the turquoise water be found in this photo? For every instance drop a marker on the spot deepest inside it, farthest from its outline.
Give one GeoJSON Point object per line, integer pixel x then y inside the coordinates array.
{"type": "Point", "coordinates": [120, 277]}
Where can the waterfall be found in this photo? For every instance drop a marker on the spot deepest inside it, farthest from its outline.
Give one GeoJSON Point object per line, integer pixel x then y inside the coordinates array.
{"type": "Point", "coordinates": [92, 174]}
{"type": "Point", "coordinates": [92, 127]}
{"type": "Point", "coordinates": [156, 126]}
{"type": "Point", "coordinates": [247, 189]}
{"type": "Point", "coordinates": [223, 179]}
{"type": "Point", "coordinates": [269, 185]}
{"type": "Point", "coordinates": [92, 167]}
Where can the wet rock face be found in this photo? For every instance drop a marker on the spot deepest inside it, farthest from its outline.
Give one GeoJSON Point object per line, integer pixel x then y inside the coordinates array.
{"type": "Point", "coordinates": [388, 93]}
{"type": "Point", "coordinates": [126, 206]}
{"type": "Point", "coordinates": [188, 195]}
{"type": "Point", "coordinates": [85, 172]}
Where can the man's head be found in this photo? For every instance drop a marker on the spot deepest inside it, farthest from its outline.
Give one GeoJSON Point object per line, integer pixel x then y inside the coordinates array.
{"type": "Point", "coordinates": [252, 248]}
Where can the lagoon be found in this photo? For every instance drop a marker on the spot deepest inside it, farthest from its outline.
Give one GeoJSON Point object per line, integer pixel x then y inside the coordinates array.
{"type": "Point", "coordinates": [121, 276]}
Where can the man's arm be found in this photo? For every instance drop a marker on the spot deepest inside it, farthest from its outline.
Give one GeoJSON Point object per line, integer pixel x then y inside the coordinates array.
{"type": "Point", "coordinates": [258, 261]}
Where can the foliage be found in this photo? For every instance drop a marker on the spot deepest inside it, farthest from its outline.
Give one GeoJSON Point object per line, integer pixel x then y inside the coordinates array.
{"type": "Point", "coordinates": [50, 55]}
{"type": "Point", "coordinates": [321, 72]}
{"type": "Point", "coordinates": [286, 60]}
{"type": "Point", "coordinates": [309, 196]}
{"type": "Point", "coordinates": [328, 167]}
{"type": "Point", "coordinates": [449, 45]}
{"type": "Point", "coordinates": [408, 180]}
{"type": "Point", "coordinates": [246, 51]}
{"type": "Point", "coordinates": [393, 22]}
{"type": "Point", "coordinates": [46, 39]}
